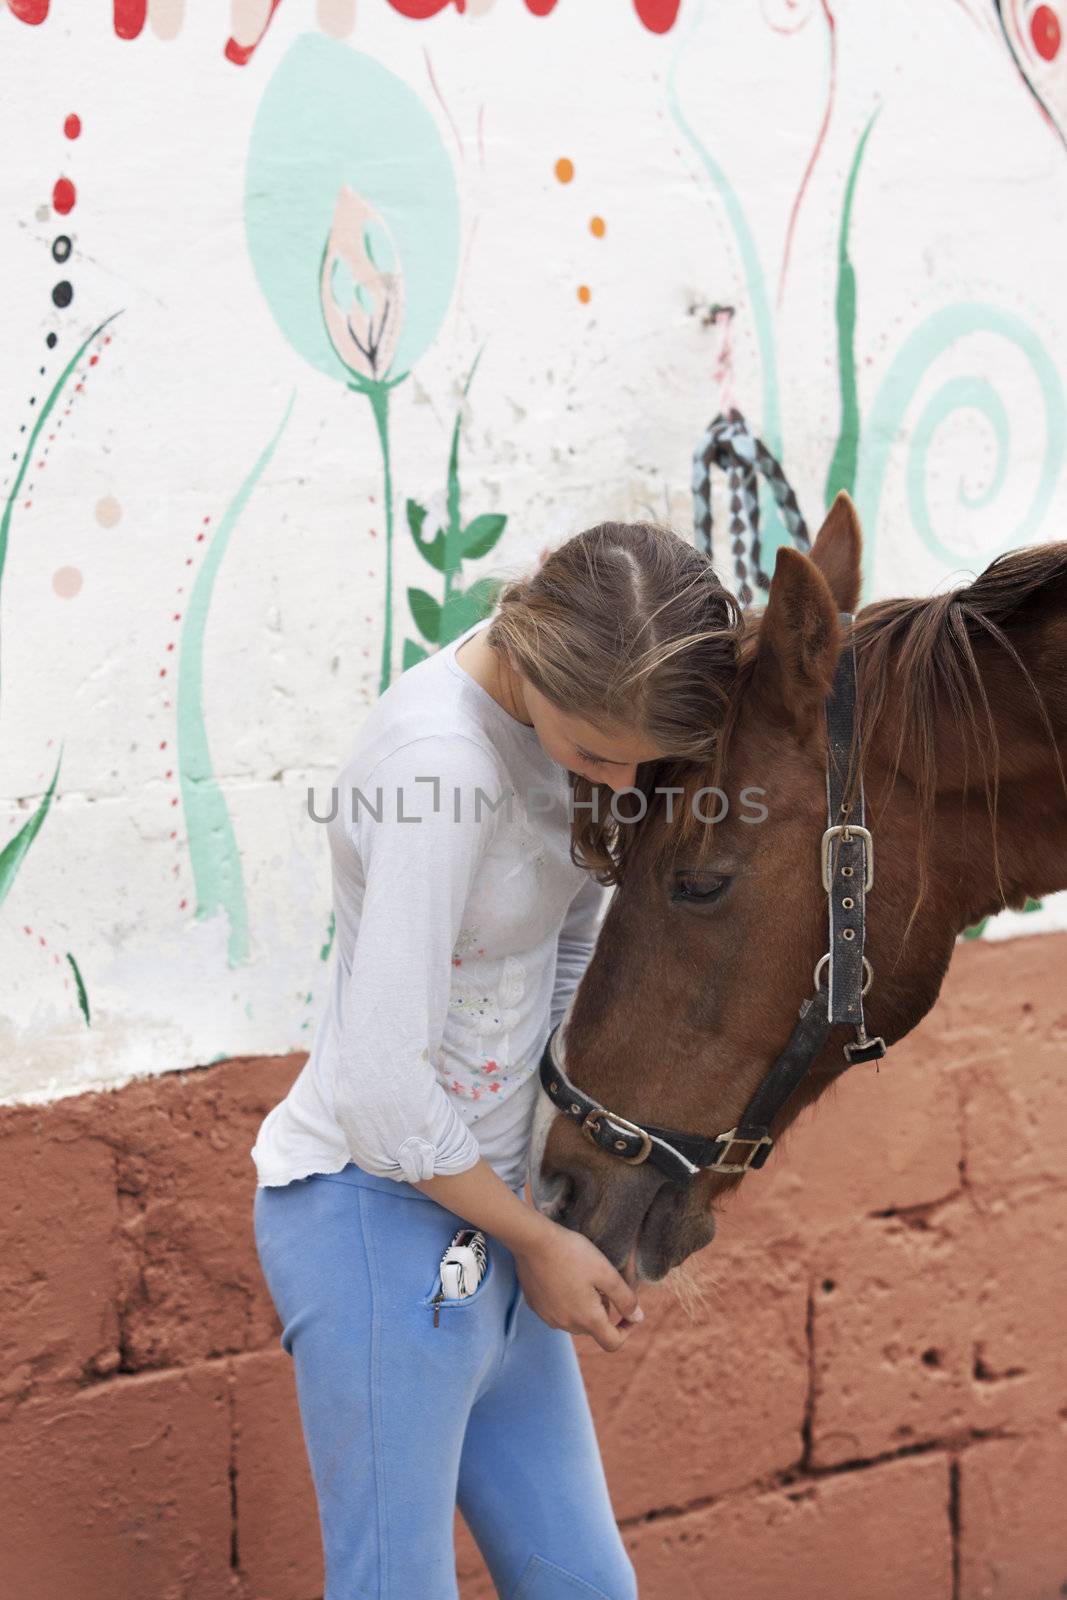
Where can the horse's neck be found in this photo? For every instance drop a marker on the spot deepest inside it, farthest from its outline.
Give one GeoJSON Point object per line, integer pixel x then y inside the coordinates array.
{"type": "Point", "coordinates": [1031, 821]}
{"type": "Point", "coordinates": [1031, 833]}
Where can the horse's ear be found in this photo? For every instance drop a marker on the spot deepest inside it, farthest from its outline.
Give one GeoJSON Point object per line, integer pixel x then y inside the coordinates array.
{"type": "Point", "coordinates": [838, 552]}
{"type": "Point", "coordinates": [799, 642]}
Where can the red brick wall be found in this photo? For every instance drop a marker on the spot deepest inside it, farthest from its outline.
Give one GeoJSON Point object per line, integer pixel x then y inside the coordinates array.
{"type": "Point", "coordinates": [871, 1404]}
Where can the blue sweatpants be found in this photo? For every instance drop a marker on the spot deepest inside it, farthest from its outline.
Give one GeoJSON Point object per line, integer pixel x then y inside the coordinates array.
{"type": "Point", "coordinates": [402, 1420]}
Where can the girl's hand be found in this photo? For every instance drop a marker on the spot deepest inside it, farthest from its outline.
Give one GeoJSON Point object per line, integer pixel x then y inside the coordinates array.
{"type": "Point", "coordinates": [564, 1277]}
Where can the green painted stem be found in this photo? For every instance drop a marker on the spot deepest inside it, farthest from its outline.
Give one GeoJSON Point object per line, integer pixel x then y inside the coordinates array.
{"type": "Point", "coordinates": [378, 395]}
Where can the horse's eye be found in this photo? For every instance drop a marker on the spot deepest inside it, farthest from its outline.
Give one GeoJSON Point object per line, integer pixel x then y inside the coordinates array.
{"type": "Point", "coordinates": [696, 886]}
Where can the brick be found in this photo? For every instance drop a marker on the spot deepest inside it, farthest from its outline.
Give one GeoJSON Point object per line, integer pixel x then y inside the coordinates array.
{"type": "Point", "coordinates": [1013, 1527]}
{"type": "Point", "coordinates": [279, 1545]}
{"type": "Point", "coordinates": [1004, 1019]}
{"type": "Point", "coordinates": [59, 1261]}
{"type": "Point", "coordinates": [122, 1490]}
{"type": "Point", "coordinates": [883, 1533]}
{"type": "Point", "coordinates": [188, 1186]}
{"type": "Point", "coordinates": [693, 1378]}
{"type": "Point", "coordinates": [926, 1326]}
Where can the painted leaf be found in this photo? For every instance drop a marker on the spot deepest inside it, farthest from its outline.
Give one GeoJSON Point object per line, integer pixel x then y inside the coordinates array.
{"type": "Point", "coordinates": [14, 852]}
{"type": "Point", "coordinates": [465, 607]}
{"type": "Point", "coordinates": [427, 613]}
{"type": "Point", "coordinates": [432, 549]}
{"type": "Point", "coordinates": [481, 535]}
{"type": "Point", "coordinates": [413, 654]}
{"type": "Point", "coordinates": [79, 984]}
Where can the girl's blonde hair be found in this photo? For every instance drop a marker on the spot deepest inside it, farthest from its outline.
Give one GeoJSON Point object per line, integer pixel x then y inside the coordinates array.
{"type": "Point", "coordinates": [625, 626]}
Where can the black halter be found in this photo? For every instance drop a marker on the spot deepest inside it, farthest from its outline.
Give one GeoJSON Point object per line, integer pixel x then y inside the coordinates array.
{"type": "Point", "coordinates": [847, 875]}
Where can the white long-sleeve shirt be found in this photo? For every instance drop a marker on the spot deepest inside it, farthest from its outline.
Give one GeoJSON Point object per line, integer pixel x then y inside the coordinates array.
{"type": "Point", "coordinates": [462, 927]}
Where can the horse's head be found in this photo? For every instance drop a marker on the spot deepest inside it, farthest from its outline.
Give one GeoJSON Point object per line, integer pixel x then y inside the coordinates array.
{"type": "Point", "coordinates": [712, 937]}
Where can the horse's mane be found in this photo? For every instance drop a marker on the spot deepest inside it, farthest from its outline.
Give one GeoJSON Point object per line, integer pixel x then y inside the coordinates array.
{"type": "Point", "coordinates": [917, 663]}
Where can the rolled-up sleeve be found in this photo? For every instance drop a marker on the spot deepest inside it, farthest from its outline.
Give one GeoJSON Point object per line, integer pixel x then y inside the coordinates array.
{"type": "Point", "coordinates": [577, 936]}
{"type": "Point", "coordinates": [419, 862]}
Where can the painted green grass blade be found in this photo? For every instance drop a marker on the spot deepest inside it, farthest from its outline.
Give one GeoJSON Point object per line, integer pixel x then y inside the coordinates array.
{"type": "Point", "coordinates": [45, 412]}
{"type": "Point", "coordinates": [213, 852]}
{"type": "Point", "coordinates": [454, 535]}
{"type": "Point", "coordinates": [842, 473]}
{"type": "Point", "coordinates": [14, 852]}
{"type": "Point", "coordinates": [83, 998]}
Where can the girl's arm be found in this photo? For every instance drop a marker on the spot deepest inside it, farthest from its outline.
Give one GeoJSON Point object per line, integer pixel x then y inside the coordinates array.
{"type": "Point", "coordinates": [418, 861]}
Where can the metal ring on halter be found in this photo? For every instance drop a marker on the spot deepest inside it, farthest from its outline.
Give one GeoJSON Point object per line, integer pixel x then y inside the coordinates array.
{"type": "Point", "coordinates": [868, 969]}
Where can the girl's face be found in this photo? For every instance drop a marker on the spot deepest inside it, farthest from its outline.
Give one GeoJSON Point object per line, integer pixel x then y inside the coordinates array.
{"type": "Point", "coordinates": [610, 758]}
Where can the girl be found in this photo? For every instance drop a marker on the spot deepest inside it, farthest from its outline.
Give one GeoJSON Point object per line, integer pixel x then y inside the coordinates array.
{"type": "Point", "coordinates": [469, 872]}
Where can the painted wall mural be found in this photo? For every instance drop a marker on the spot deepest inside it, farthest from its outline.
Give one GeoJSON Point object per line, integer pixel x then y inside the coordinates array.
{"type": "Point", "coordinates": [322, 322]}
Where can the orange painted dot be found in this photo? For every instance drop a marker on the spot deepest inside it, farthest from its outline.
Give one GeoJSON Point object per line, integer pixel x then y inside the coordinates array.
{"type": "Point", "coordinates": [564, 169]}
{"type": "Point", "coordinates": [596, 227]}
{"type": "Point", "coordinates": [584, 294]}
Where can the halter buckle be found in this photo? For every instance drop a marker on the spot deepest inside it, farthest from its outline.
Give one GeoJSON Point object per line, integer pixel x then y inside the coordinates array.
{"type": "Point", "coordinates": [847, 828]}
{"type": "Point", "coordinates": [591, 1127]}
{"type": "Point", "coordinates": [728, 1140]}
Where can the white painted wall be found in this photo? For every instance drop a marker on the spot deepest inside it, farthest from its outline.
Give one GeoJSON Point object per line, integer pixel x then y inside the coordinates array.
{"type": "Point", "coordinates": [577, 411]}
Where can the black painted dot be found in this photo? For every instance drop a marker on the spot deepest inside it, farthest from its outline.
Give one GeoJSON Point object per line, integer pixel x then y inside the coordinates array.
{"type": "Point", "coordinates": [51, 341]}
{"type": "Point", "coordinates": [61, 248]}
{"type": "Point", "coordinates": [62, 294]}
{"type": "Point", "coordinates": [41, 371]}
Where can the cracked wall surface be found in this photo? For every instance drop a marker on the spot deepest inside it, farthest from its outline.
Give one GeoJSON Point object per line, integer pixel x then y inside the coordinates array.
{"type": "Point", "coordinates": [867, 1398]}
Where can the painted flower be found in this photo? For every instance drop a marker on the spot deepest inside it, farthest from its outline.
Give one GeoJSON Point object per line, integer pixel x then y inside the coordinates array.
{"type": "Point", "coordinates": [349, 194]}
{"type": "Point", "coordinates": [362, 297]}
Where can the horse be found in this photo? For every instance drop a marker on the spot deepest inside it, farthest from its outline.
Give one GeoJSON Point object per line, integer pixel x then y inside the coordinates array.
{"type": "Point", "coordinates": [718, 919]}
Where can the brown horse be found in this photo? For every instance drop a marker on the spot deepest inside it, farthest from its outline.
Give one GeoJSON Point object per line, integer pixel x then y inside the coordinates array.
{"type": "Point", "coordinates": [714, 930]}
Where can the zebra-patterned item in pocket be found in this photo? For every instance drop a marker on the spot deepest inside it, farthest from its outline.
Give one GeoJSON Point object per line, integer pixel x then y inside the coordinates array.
{"type": "Point", "coordinates": [463, 1264]}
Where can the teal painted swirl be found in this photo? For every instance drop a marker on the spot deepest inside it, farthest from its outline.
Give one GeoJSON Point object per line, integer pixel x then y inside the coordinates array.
{"type": "Point", "coordinates": [975, 393]}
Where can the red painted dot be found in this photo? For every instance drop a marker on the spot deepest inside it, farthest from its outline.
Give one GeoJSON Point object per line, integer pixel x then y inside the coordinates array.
{"type": "Point", "coordinates": [658, 16]}
{"type": "Point", "coordinates": [63, 196]}
{"type": "Point", "coordinates": [73, 126]}
{"type": "Point", "coordinates": [1046, 33]}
